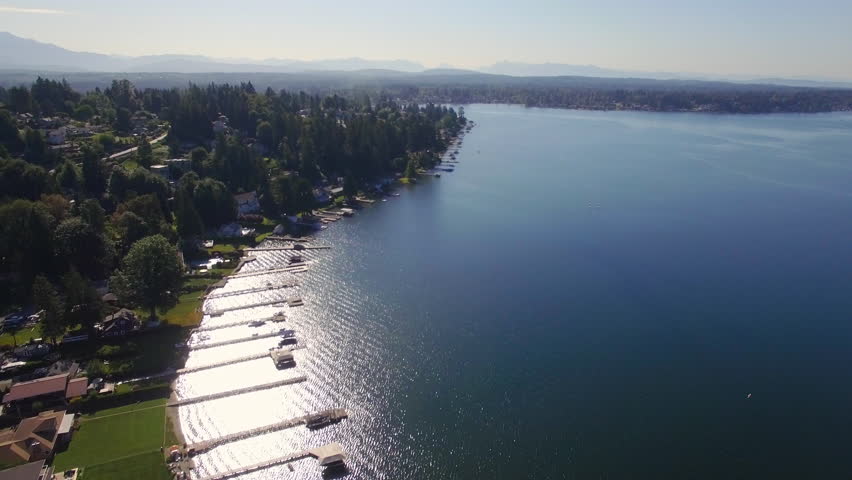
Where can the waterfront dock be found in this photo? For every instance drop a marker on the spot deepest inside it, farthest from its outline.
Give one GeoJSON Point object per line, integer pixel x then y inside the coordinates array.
{"type": "Point", "coordinates": [246, 358]}
{"type": "Point", "coordinates": [237, 324]}
{"type": "Point", "coordinates": [295, 268]}
{"type": "Point", "coordinates": [220, 311]}
{"type": "Point", "coordinates": [253, 290]}
{"type": "Point", "coordinates": [326, 455]}
{"type": "Point", "coordinates": [288, 238]}
{"type": "Point", "coordinates": [334, 415]}
{"type": "Point", "coordinates": [292, 247]}
{"type": "Point", "coordinates": [256, 336]}
{"type": "Point", "coordinates": [239, 391]}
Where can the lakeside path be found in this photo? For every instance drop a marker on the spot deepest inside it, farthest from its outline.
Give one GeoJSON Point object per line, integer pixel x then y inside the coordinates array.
{"type": "Point", "coordinates": [131, 150]}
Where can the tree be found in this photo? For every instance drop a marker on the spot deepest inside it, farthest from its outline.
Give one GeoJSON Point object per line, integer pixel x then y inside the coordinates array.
{"type": "Point", "coordinates": [350, 186]}
{"type": "Point", "coordinates": [150, 275]}
{"type": "Point", "coordinates": [122, 121]}
{"type": "Point", "coordinates": [303, 196]}
{"type": "Point", "coordinates": [68, 177]}
{"type": "Point", "coordinates": [9, 136]}
{"type": "Point", "coordinates": [46, 299]}
{"type": "Point", "coordinates": [57, 205]}
{"type": "Point", "coordinates": [35, 148]}
{"type": "Point", "coordinates": [188, 221]}
{"type": "Point", "coordinates": [410, 169]}
{"type": "Point", "coordinates": [265, 135]}
{"type": "Point", "coordinates": [19, 179]}
{"type": "Point", "coordinates": [145, 154]}
{"type": "Point", "coordinates": [82, 248]}
{"type": "Point", "coordinates": [214, 203]}
{"type": "Point", "coordinates": [94, 174]}
{"type": "Point", "coordinates": [92, 213]}
{"type": "Point", "coordinates": [26, 238]}
{"type": "Point", "coordinates": [83, 304]}
{"type": "Point", "coordinates": [130, 228]}
{"type": "Point", "coordinates": [84, 112]}
{"type": "Point", "coordinates": [197, 159]}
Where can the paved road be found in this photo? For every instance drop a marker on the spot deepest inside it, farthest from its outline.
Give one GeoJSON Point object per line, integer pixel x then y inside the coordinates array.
{"type": "Point", "coordinates": [131, 150]}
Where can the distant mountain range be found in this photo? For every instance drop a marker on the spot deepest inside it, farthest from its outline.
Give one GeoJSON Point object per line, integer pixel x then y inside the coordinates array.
{"type": "Point", "coordinates": [18, 53]}
{"type": "Point", "coordinates": [25, 54]}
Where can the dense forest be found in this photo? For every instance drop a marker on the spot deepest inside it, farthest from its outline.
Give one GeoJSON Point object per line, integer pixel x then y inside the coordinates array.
{"type": "Point", "coordinates": [648, 99]}
{"type": "Point", "coordinates": [464, 87]}
{"type": "Point", "coordinates": [70, 211]}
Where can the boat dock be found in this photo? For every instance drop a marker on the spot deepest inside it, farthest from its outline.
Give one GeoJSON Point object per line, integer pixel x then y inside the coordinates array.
{"type": "Point", "coordinates": [239, 391]}
{"type": "Point", "coordinates": [287, 238]}
{"type": "Point", "coordinates": [220, 311]}
{"type": "Point", "coordinates": [236, 324]}
{"type": "Point", "coordinates": [291, 269]}
{"type": "Point", "coordinates": [253, 290]}
{"type": "Point", "coordinates": [246, 358]}
{"type": "Point", "coordinates": [256, 336]}
{"type": "Point", "coordinates": [335, 415]}
{"type": "Point", "coordinates": [294, 247]}
{"type": "Point", "coordinates": [325, 455]}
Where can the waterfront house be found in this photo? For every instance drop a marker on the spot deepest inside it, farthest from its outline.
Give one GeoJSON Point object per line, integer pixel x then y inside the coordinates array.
{"type": "Point", "coordinates": [178, 166]}
{"type": "Point", "coordinates": [56, 136]}
{"type": "Point", "coordinates": [30, 471]}
{"type": "Point", "coordinates": [321, 196]}
{"type": "Point", "coordinates": [161, 170]}
{"type": "Point", "coordinates": [57, 388]}
{"type": "Point", "coordinates": [119, 324]}
{"type": "Point", "coordinates": [220, 125]}
{"type": "Point", "coordinates": [247, 203]}
{"type": "Point", "coordinates": [35, 438]}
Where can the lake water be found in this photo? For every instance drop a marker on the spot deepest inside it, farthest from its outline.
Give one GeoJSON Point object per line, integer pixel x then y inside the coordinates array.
{"type": "Point", "coordinates": [588, 295]}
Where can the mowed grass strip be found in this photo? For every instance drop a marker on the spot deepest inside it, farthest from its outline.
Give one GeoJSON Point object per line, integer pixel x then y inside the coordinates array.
{"type": "Point", "coordinates": [115, 434]}
{"type": "Point", "coordinates": [145, 466]}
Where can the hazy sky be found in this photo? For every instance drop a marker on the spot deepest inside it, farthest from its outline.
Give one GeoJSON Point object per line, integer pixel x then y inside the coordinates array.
{"type": "Point", "coordinates": [764, 37]}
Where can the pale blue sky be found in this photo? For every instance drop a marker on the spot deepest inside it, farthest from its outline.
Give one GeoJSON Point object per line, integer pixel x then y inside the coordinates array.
{"type": "Point", "coordinates": [764, 37]}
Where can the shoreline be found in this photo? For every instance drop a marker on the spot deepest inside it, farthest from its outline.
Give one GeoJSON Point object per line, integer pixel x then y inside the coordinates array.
{"type": "Point", "coordinates": [172, 412]}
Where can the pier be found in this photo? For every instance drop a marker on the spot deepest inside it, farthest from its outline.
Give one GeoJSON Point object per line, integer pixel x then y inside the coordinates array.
{"type": "Point", "coordinates": [246, 358]}
{"type": "Point", "coordinates": [294, 247]}
{"type": "Point", "coordinates": [253, 290]}
{"type": "Point", "coordinates": [239, 391]}
{"type": "Point", "coordinates": [220, 311]}
{"type": "Point", "coordinates": [287, 238]}
{"type": "Point", "coordinates": [326, 455]}
{"type": "Point", "coordinates": [237, 324]}
{"type": "Point", "coordinates": [290, 269]}
{"type": "Point", "coordinates": [334, 415]}
{"type": "Point", "coordinates": [256, 336]}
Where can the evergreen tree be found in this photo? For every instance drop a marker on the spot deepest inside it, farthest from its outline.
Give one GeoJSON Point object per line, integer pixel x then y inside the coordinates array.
{"type": "Point", "coordinates": [94, 176]}
{"type": "Point", "coordinates": [48, 301]}
{"type": "Point", "coordinates": [145, 154]}
{"type": "Point", "coordinates": [83, 304]}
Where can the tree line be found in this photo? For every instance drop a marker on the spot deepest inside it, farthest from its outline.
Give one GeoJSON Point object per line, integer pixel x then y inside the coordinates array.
{"type": "Point", "coordinates": [69, 219]}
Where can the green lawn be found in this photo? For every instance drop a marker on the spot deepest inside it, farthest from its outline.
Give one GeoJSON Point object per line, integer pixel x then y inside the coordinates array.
{"type": "Point", "coordinates": [130, 164]}
{"type": "Point", "coordinates": [133, 407]}
{"type": "Point", "coordinates": [185, 312]}
{"type": "Point", "coordinates": [145, 466]}
{"type": "Point", "coordinates": [22, 336]}
{"type": "Point", "coordinates": [114, 434]}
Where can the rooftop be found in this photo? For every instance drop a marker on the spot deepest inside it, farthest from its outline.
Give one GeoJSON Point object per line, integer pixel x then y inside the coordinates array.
{"type": "Point", "coordinates": [29, 471]}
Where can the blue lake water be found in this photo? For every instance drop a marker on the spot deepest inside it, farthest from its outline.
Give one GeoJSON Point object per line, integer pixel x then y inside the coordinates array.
{"type": "Point", "coordinates": [588, 295]}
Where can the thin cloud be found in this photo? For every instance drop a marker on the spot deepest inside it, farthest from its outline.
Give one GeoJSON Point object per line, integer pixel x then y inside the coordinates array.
{"type": "Point", "coordinates": [37, 11]}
